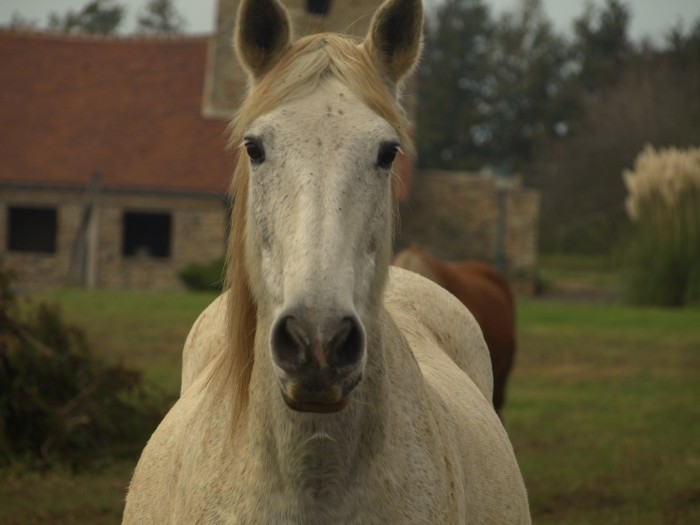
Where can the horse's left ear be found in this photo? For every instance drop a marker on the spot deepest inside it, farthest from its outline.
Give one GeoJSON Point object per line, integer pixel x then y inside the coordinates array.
{"type": "Point", "coordinates": [394, 38]}
{"type": "Point", "coordinates": [263, 35]}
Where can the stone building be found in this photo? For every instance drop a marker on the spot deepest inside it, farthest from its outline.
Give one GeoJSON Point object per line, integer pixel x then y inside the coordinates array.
{"type": "Point", "coordinates": [149, 116]}
{"type": "Point", "coordinates": [113, 163]}
{"type": "Point", "coordinates": [129, 109]}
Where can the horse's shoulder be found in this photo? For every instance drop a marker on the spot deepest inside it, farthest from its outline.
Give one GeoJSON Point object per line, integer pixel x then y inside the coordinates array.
{"type": "Point", "coordinates": [156, 474]}
{"type": "Point", "coordinates": [206, 339]}
{"type": "Point", "coordinates": [425, 311]}
{"type": "Point", "coordinates": [183, 454]}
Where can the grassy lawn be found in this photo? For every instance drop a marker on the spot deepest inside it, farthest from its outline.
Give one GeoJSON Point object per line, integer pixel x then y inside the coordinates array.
{"type": "Point", "coordinates": [577, 274]}
{"type": "Point", "coordinates": [144, 330]}
{"type": "Point", "coordinates": [603, 409]}
{"type": "Point", "coordinates": [62, 498]}
{"type": "Point", "coordinates": [604, 413]}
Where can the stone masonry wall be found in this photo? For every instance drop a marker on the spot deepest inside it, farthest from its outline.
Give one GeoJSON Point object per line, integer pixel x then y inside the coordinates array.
{"type": "Point", "coordinates": [40, 269]}
{"type": "Point", "coordinates": [198, 230]}
{"type": "Point", "coordinates": [455, 215]}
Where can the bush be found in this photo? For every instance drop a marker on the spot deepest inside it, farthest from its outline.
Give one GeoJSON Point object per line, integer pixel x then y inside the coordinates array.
{"type": "Point", "coordinates": [58, 404]}
{"type": "Point", "coordinates": [204, 276]}
{"type": "Point", "coordinates": [663, 254]}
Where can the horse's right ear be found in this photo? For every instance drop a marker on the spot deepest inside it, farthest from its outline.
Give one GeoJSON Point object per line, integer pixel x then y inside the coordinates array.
{"type": "Point", "coordinates": [263, 35]}
{"type": "Point", "coordinates": [395, 37]}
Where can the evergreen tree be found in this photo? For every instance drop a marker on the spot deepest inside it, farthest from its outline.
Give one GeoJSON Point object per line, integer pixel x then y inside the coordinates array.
{"type": "Point", "coordinates": [453, 85]}
{"type": "Point", "coordinates": [532, 97]}
{"type": "Point", "coordinates": [488, 91]}
{"type": "Point", "coordinates": [160, 17]}
{"type": "Point", "coordinates": [602, 42]}
{"type": "Point", "coordinates": [98, 17]}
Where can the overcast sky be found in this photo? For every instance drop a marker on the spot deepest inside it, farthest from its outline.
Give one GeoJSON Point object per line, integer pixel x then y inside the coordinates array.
{"type": "Point", "coordinates": [649, 17]}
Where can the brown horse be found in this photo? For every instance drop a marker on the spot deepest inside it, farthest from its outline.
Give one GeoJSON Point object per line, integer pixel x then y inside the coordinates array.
{"type": "Point", "coordinates": [486, 294]}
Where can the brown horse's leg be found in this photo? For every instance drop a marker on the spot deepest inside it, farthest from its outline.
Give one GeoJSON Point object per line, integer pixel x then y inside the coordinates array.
{"type": "Point", "coordinates": [501, 370]}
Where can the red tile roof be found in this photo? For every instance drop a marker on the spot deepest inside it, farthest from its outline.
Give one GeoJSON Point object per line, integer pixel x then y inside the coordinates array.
{"type": "Point", "coordinates": [130, 108]}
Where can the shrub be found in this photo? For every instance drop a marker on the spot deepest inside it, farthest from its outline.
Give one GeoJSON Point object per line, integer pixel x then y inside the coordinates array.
{"type": "Point", "coordinates": [663, 254]}
{"type": "Point", "coordinates": [59, 405]}
{"type": "Point", "coordinates": [204, 276]}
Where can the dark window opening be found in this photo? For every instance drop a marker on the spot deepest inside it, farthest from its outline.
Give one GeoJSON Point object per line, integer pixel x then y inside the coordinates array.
{"type": "Point", "coordinates": [318, 7]}
{"type": "Point", "coordinates": [31, 230]}
{"type": "Point", "coordinates": [146, 234]}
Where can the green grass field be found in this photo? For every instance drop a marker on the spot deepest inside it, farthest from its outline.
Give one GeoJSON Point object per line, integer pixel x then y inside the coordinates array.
{"type": "Point", "coordinates": [577, 274]}
{"type": "Point", "coordinates": [604, 413]}
{"type": "Point", "coordinates": [603, 409]}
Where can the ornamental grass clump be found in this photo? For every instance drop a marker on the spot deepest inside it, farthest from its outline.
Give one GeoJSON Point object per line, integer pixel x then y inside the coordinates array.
{"type": "Point", "coordinates": [663, 203]}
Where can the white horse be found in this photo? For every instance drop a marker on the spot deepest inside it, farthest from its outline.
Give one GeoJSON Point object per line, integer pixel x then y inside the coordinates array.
{"type": "Point", "coordinates": [324, 388]}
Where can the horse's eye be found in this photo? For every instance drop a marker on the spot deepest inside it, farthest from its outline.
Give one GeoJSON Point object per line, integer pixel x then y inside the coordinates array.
{"type": "Point", "coordinates": [387, 154]}
{"type": "Point", "coordinates": [255, 150]}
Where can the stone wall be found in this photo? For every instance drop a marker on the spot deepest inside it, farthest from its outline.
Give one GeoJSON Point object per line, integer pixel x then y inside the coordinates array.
{"type": "Point", "coordinates": [198, 230]}
{"type": "Point", "coordinates": [455, 215]}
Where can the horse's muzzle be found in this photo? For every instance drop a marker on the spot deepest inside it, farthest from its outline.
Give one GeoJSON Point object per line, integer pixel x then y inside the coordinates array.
{"type": "Point", "coordinates": [320, 359]}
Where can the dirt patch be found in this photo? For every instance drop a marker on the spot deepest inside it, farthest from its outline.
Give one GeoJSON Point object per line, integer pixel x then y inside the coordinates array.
{"type": "Point", "coordinates": [585, 498]}
{"type": "Point", "coordinates": [685, 507]}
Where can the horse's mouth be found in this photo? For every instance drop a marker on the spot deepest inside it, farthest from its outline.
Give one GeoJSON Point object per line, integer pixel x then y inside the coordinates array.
{"type": "Point", "coordinates": [327, 400]}
{"type": "Point", "coordinates": [316, 406]}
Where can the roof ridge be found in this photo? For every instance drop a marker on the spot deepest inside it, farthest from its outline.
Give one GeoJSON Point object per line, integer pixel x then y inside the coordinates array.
{"type": "Point", "coordinates": [48, 34]}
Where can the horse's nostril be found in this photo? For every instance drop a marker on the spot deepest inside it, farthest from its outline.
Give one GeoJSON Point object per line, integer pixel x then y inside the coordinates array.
{"type": "Point", "coordinates": [343, 332]}
{"type": "Point", "coordinates": [296, 332]}
{"type": "Point", "coordinates": [347, 344]}
{"type": "Point", "coordinates": [289, 343]}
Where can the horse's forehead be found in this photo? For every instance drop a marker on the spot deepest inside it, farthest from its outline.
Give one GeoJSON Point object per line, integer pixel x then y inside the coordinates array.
{"type": "Point", "coordinates": [331, 109]}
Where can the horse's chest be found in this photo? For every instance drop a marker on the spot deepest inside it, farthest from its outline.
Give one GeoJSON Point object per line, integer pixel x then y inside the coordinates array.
{"type": "Point", "coordinates": [362, 502]}
{"type": "Point", "coordinates": [405, 483]}
{"type": "Point", "coordinates": [350, 509]}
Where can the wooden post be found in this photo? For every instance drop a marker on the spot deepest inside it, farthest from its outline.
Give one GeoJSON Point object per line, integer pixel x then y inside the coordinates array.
{"type": "Point", "coordinates": [83, 267]}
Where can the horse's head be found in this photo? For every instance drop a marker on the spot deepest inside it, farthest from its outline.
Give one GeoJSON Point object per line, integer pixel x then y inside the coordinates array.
{"type": "Point", "coordinates": [320, 130]}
